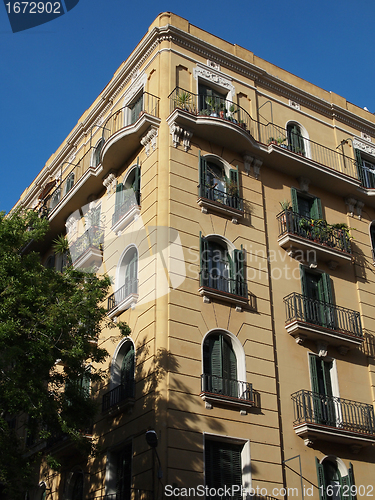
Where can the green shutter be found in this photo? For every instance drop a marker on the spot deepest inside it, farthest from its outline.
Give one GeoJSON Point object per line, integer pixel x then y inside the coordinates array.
{"type": "Point", "coordinates": [351, 481]}
{"type": "Point", "coordinates": [127, 367]}
{"type": "Point", "coordinates": [314, 373]}
{"type": "Point", "coordinates": [358, 160]}
{"type": "Point", "coordinates": [239, 272]}
{"type": "Point", "coordinates": [119, 196]}
{"type": "Point", "coordinates": [294, 195]}
{"type": "Point", "coordinates": [203, 244]}
{"type": "Point", "coordinates": [202, 175]}
{"type": "Point", "coordinates": [316, 209]}
{"type": "Point", "coordinates": [321, 480]}
{"type": "Point", "coordinates": [137, 182]}
{"type": "Point", "coordinates": [302, 272]}
{"type": "Point", "coordinates": [229, 364]}
{"type": "Point", "coordinates": [327, 288]}
{"type": "Point", "coordinates": [223, 465]}
{"type": "Point", "coordinates": [216, 363]}
{"type": "Point", "coordinates": [234, 178]}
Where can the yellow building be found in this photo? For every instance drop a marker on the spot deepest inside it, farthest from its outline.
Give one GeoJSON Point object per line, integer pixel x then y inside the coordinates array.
{"type": "Point", "coordinates": [221, 194]}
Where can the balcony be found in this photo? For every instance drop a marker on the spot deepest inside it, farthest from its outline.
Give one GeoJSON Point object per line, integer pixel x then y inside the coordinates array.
{"type": "Point", "coordinates": [324, 241]}
{"type": "Point", "coordinates": [125, 213]}
{"type": "Point", "coordinates": [124, 129]}
{"type": "Point", "coordinates": [315, 320]}
{"type": "Point", "coordinates": [221, 202]}
{"type": "Point", "coordinates": [86, 250]}
{"type": "Point", "coordinates": [225, 391]}
{"type": "Point", "coordinates": [328, 418]}
{"type": "Point", "coordinates": [213, 118]}
{"type": "Point", "coordinates": [118, 399]}
{"type": "Point", "coordinates": [222, 288]}
{"type": "Point", "coordinates": [123, 298]}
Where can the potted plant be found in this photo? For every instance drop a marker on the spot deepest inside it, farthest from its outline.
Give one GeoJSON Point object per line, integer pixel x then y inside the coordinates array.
{"type": "Point", "coordinates": [211, 102]}
{"type": "Point", "coordinates": [183, 100]}
{"type": "Point", "coordinates": [232, 112]}
{"type": "Point", "coordinates": [280, 141]}
{"type": "Point", "coordinates": [272, 140]}
{"type": "Point", "coordinates": [285, 205]}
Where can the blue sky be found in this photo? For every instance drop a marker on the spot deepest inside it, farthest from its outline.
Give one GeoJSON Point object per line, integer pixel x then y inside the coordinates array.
{"type": "Point", "coordinates": [52, 73]}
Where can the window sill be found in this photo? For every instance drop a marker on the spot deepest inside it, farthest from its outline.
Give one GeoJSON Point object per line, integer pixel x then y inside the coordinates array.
{"type": "Point", "coordinates": [217, 207]}
{"type": "Point", "coordinates": [211, 293]}
{"type": "Point", "coordinates": [212, 399]}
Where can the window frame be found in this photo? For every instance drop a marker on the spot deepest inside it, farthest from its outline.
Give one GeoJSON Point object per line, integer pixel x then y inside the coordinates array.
{"type": "Point", "coordinates": [303, 134]}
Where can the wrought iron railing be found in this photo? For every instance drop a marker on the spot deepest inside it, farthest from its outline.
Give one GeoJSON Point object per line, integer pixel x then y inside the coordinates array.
{"type": "Point", "coordinates": [123, 117]}
{"type": "Point", "coordinates": [273, 134]}
{"type": "Point", "coordinates": [367, 174]}
{"type": "Point", "coordinates": [301, 308]}
{"type": "Point", "coordinates": [215, 107]}
{"type": "Point", "coordinates": [91, 238]}
{"type": "Point", "coordinates": [132, 199]}
{"type": "Point", "coordinates": [226, 387]}
{"type": "Point", "coordinates": [331, 411]}
{"type": "Point", "coordinates": [118, 395]}
{"type": "Point", "coordinates": [227, 199]}
{"type": "Point", "coordinates": [130, 287]}
{"type": "Point", "coordinates": [130, 494]}
{"type": "Point", "coordinates": [314, 230]}
{"type": "Point", "coordinates": [234, 286]}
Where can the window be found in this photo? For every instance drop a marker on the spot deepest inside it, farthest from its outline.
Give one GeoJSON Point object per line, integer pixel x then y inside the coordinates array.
{"type": "Point", "coordinates": [227, 463]}
{"type": "Point", "coordinates": [119, 473]}
{"type": "Point", "coordinates": [334, 479]}
{"type": "Point", "coordinates": [128, 275]}
{"type": "Point", "coordinates": [211, 102]}
{"type": "Point", "coordinates": [69, 183]}
{"type": "Point", "coordinates": [321, 385]}
{"type": "Point", "coordinates": [75, 486]}
{"type": "Point", "coordinates": [296, 142]}
{"type": "Point", "coordinates": [128, 194]}
{"type": "Point", "coordinates": [219, 366]}
{"type": "Point", "coordinates": [55, 198]}
{"type": "Point", "coordinates": [135, 109]}
{"type": "Point", "coordinates": [366, 169]}
{"type": "Point", "coordinates": [96, 155]}
{"type": "Point", "coordinates": [305, 205]}
{"type": "Point", "coordinates": [221, 269]}
{"type": "Point", "coordinates": [216, 185]}
{"type": "Point", "coordinates": [122, 377]}
{"type": "Point", "coordinates": [317, 297]}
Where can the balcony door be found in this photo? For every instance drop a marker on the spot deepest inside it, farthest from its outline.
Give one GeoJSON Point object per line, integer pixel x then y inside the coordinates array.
{"type": "Point", "coordinates": [321, 385]}
{"type": "Point", "coordinates": [220, 365]}
{"type": "Point", "coordinates": [317, 298]}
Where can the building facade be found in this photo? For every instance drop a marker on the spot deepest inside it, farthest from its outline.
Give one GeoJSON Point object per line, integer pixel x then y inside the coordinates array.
{"type": "Point", "coordinates": [232, 203]}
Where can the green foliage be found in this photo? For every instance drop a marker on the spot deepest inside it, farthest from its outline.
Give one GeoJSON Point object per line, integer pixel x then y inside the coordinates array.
{"type": "Point", "coordinates": [49, 326]}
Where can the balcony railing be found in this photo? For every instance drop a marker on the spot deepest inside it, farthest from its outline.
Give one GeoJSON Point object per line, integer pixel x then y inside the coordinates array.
{"type": "Point", "coordinates": [367, 175]}
{"type": "Point", "coordinates": [301, 308]}
{"type": "Point", "coordinates": [314, 230]}
{"type": "Point", "coordinates": [146, 104]}
{"type": "Point", "coordinates": [211, 106]}
{"type": "Point", "coordinates": [213, 194]}
{"type": "Point", "coordinates": [133, 199]}
{"type": "Point", "coordinates": [132, 494]}
{"type": "Point", "coordinates": [236, 286]}
{"type": "Point", "coordinates": [226, 387]}
{"type": "Point", "coordinates": [273, 134]}
{"type": "Point", "coordinates": [117, 395]}
{"type": "Point", "coordinates": [130, 287]}
{"type": "Point", "coordinates": [92, 238]}
{"type": "Point", "coordinates": [314, 408]}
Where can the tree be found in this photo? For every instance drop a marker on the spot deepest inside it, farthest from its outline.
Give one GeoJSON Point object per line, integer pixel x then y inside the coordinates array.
{"type": "Point", "coordinates": [49, 326]}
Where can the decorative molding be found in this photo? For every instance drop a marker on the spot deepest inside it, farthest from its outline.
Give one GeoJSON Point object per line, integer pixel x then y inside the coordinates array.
{"type": "Point", "coordinates": [366, 147]}
{"type": "Point", "coordinates": [210, 75]}
{"type": "Point", "coordinates": [359, 206]}
{"type": "Point", "coordinates": [257, 165]}
{"type": "Point", "coordinates": [149, 140]}
{"type": "Point", "coordinates": [295, 105]}
{"type": "Point", "coordinates": [322, 349]}
{"type": "Point", "coordinates": [366, 137]}
{"type": "Point", "coordinates": [109, 182]}
{"type": "Point", "coordinates": [300, 339]}
{"type": "Point", "coordinates": [179, 133]}
{"type": "Point", "coordinates": [213, 65]}
{"type": "Point", "coordinates": [350, 203]}
{"type": "Point", "coordinates": [304, 183]}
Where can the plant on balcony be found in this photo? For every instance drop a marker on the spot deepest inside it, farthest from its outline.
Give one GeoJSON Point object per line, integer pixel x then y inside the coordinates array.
{"type": "Point", "coordinates": [272, 140]}
{"type": "Point", "coordinates": [280, 141]}
{"type": "Point", "coordinates": [231, 188]}
{"type": "Point", "coordinates": [183, 101]}
{"type": "Point", "coordinates": [213, 105]}
{"type": "Point", "coordinates": [285, 205]}
{"type": "Point", "coordinates": [232, 111]}
{"type": "Point", "coordinates": [344, 229]}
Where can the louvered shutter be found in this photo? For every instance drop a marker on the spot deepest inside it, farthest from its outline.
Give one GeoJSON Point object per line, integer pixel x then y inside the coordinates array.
{"type": "Point", "coordinates": [239, 269]}
{"type": "Point", "coordinates": [137, 182]}
{"type": "Point", "coordinates": [229, 368]}
{"type": "Point", "coordinates": [294, 195]}
{"type": "Point", "coordinates": [127, 370]}
{"type": "Point", "coordinates": [119, 197]}
{"type": "Point", "coordinates": [203, 243]}
{"type": "Point", "coordinates": [321, 480]}
{"type": "Point", "coordinates": [351, 482]}
{"type": "Point", "coordinates": [202, 176]}
{"type": "Point", "coordinates": [223, 465]}
{"type": "Point", "coordinates": [316, 209]}
{"type": "Point", "coordinates": [131, 275]}
{"type": "Point", "coordinates": [358, 159]}
{"type": "Point", "coordinates": [314, 373]}
{"type": "Point", "coordinates": [216, 363]}
{"type": "Point", "coordinates": [234, 196]}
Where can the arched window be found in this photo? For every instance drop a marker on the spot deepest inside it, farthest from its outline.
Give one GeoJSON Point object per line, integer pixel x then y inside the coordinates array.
{"type": "Point", "coordinates": [128, 275]}
{"type": "Point", "coordinates": [75, 485]}
{"type": "Point", "coordinates": [122, 377]}
{"type": "Point", "coordinates": [296, 142]}
{"type": "Point", "coordinates": [334, 479]}
{"type": "Point", "coordinates": [222, 268]}
{"type": "Point", "coordinates": [96, 154]}
{"type": "Point", "coordinates": [128, 194]}
{"type": "Point", "coordinates": [220, 365]}
{"type": "Point", "coordinates": [219, 182]}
